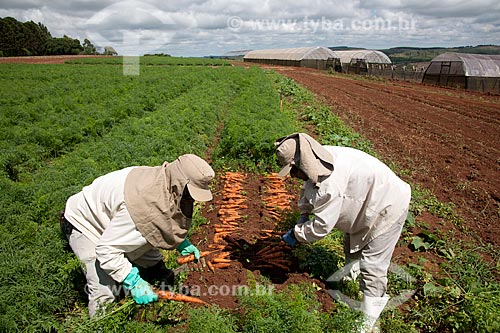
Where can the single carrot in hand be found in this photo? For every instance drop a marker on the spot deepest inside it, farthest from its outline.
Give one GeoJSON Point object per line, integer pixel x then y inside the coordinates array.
{"type": "Point", "coordinates": [178, 297]}
{"type": "Point", "coordinates": [191, 257]}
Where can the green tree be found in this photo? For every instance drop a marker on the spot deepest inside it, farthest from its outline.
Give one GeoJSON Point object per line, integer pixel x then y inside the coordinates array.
{"type": "Point", "coordinates": [88, 47]}
{"type": "Point", "coordinates": [65, 45]}
{"type": "Point", "coordinates": [30, 38]}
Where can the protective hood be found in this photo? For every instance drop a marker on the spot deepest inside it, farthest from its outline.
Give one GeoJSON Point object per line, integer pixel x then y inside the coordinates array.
{"type": "Point", "coordinates": [153, 195]}
{"type": "Point", "coordinates": [305, 153]}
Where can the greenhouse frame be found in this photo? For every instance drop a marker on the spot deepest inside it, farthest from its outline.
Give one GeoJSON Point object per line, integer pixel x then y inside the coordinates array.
{"type": "Point", "coordinates": [477, 72]}
{"type": "Point", "coordinates": [313, 57]}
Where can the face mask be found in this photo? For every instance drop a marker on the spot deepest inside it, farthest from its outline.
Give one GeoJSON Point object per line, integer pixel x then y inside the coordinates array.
{"type": "Point", "coordinates": [186, 204]}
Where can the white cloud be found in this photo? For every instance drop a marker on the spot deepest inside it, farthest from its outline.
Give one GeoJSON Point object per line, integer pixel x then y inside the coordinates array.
{"type": "Point", "coordinates": [208, 27]}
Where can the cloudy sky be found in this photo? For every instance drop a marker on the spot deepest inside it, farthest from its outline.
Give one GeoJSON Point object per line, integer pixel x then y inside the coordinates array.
{"type": "Point", "coordinates": [215, 27]}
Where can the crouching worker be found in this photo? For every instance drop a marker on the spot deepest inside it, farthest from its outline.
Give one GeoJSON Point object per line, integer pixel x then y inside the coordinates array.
{"type": "Point", "coordinates": [117, 224]}
{"type": "Point", "coordinates": [350, 190]}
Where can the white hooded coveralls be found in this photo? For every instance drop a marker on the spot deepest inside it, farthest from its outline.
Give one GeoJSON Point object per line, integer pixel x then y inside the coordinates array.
{"type": "Point", "coordinates": [368, 202]}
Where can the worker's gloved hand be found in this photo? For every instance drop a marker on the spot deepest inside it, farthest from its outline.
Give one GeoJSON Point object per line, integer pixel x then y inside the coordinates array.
{"type": "Point", "coordinates": [139, 289]}
{"type": "Point", "coordinates": [186, 248]}
{"type": "Point", "coordinates": [303, 219]}
{"type": "Point", "coordinates": [289, 238]}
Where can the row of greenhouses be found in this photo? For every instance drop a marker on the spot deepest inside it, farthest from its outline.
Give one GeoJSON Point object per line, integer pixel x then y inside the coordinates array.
{"type": "Point", "coordinates": [316, 57]}
{"type": "Point", "coordinates": [458, 70]}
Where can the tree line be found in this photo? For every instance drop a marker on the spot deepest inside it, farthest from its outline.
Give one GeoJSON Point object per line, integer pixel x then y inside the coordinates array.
{"type": "Point", "coordinates": [34, 39]}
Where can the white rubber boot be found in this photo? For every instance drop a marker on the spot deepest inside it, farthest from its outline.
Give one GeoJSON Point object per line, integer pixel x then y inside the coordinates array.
{"type": "Point", "coordinates": [371, 307]}
{"type": "Point", "coordinates": [354, 270]}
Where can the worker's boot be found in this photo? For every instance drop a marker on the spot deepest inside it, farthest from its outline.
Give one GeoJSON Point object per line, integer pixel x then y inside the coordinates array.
{"type": "Point", "coordinates": [354, 269]}
{"type": "Point", "coordinates": [371, 307]}
{"type": "Point", "coordinates": [158, 275]}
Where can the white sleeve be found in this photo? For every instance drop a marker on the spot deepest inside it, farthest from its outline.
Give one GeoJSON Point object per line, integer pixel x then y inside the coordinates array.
{"type": "Point", "coordinates": [120, 236]}
{"type": "Point", "coordinates": [326, 214]}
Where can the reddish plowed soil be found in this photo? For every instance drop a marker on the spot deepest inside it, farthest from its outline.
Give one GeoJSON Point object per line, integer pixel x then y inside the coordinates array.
{"type": "Point", "coordinates": [43, 59]}
{"type": "Point", "coordinates": [447, 139]}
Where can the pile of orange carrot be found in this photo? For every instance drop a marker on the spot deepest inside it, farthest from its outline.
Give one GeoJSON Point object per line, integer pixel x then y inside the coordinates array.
{"type": "Point", "coordinates": [232, 198]}
{"type": "Point", "coordinates": [233, 201]}
{"type": "Point", "coordinates": [277, 197]}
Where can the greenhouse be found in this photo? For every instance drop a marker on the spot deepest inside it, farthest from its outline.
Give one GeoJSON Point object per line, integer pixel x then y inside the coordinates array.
{"type": "Point", "coordinates": [312, 57]}
{"type": "Point", "coordinates": [468, 71]}
{"type": "Point", "coordinates": [360, 61]}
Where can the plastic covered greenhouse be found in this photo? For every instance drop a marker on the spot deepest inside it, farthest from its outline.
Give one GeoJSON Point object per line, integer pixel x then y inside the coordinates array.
{"type": "Point", "coordinates": [461, 70]}
{"type": "Point", "coordinates": [313, 57]}
{"type": "Point", "coordinates": [360, 61]}
{"type": "Point", "coordinates": [366, 56]}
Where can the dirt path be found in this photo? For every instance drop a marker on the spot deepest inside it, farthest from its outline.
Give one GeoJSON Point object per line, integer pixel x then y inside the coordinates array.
{"type": "Point", "coordinates": [447, 140]}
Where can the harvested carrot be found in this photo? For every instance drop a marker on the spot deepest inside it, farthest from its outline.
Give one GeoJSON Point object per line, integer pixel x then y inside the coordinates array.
{"type": "Point", "coordinates": [191, 257]}
{"type": "Point", "coordinates": [224, 230]}
{"type": "Point", "coordinates": [228, 210]}
{"type": "Point", "coordinates": [279, 265]}
{"type": "Point", "coordinates": [178, 297]}
{"type": "Point", "coordinates": [277, 191]}
{"type": "Point", "coordinates": [232, 241]}
{"type": "Point", "coordinates": [236, 201]}
{"type": "Point", "coordinates": [272, 250]}
{"type": "Point", "coordinates": [223, 255]}
{"type": "Point", "coordinates": [216, 246]}
{"type": "Point", "coordinates": [225, 227]}
{"type": "Point", "coordinates": [221, 265]}
{"type": "Point", "coordinates": [270, 231]}
{"type": "Point", "coordinates": [225, 219]}
{"type": "Point", "coordinates": [277, 260]}
{"type": "Point", "coordinates": [234, 206]}
{"type": "Point", "coordinates": [265, 249]}
{"type": "Point", "coordinates": [221, 260]}
{"type": "Point", "coordinates": [233, 195]}
{"type": "Point", "coordinates": [272, 255]}
{"type": "Point", "coordinates": [210, 266]}
{"type": "Point", "coordinates": [223, 233]}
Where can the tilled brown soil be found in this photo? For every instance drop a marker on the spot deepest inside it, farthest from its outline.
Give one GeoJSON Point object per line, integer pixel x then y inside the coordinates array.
{"type": "Point", "coordinates": [44, 59]}
{"type": "Point", "coordinates": [446, 139]}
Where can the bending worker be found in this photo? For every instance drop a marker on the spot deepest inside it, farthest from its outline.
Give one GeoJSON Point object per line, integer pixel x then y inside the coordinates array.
{"type": "Point", "coordinates": [117, 224]}
{"type": "Point", "coordinates": [350, 190]}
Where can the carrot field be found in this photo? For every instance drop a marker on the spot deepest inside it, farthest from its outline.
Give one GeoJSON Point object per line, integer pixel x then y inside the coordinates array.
{"type": "Point", "coordinates": [65, 124]}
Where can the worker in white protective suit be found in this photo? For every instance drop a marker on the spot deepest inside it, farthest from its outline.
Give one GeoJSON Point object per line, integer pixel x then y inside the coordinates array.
{"type": "Point", "coordinates": [117, 224]}
{"type": "Point", "coordinates": [353, 191]}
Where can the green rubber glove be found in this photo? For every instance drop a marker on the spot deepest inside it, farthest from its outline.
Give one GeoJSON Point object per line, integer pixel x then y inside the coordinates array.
{"type": "Point", "coordinates": [186, 248]}
{"type": "Point", "coordinates": [139, 289]}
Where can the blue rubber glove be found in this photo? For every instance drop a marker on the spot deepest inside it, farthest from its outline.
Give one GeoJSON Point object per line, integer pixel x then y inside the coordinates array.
{"type": "Point", "coordinates": [289, 238]}
{"type": "Point", "coordinates": [139, 289]}
{"type": "Point", "coordinates": [186, 248]}
{"type": "Point", "coordinates": [303, 219]}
